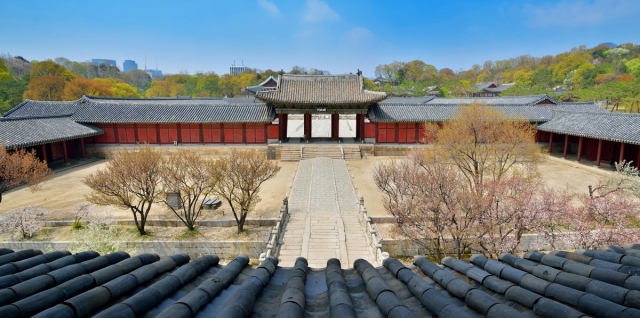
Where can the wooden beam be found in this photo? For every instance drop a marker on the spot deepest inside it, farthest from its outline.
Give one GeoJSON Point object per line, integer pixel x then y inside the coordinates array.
{"type": "Point", "coordinates": [621, 152]}
{"type": "Point", "coordinates": [580, 149]}
{"type": "Point", "coordinates": [600, 153]}
{"type": "Point", "coordinates": [566, 145]}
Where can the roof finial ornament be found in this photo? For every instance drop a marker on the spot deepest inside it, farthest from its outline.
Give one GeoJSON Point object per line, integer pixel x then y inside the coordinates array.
{"type": "Point", "coordinates": [359, 72]}
{"type": "Point", "coordinates": [281, 72]}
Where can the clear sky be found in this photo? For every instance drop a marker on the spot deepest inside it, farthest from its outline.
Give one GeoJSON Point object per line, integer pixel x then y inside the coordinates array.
{"type": "Point", "coordinates": [340, 36]}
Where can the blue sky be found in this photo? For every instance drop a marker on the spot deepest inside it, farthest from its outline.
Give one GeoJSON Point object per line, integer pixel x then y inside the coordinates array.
{"type": "Point", "coordinates": [339, 36]}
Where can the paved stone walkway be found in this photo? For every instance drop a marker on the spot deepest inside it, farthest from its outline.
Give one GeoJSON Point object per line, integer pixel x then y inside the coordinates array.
{"type": "Point", "coordinates": [323, 216]}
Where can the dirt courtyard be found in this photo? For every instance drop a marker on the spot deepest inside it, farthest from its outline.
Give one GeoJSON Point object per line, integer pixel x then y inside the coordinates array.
{"type": "Point", "coordinates": [557, 173]}
{"type": "Point", "coordinates": [60, 194]}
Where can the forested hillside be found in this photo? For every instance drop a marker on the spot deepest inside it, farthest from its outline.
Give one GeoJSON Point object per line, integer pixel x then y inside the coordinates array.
{"type": "Point", "coordinates": [603, 72]}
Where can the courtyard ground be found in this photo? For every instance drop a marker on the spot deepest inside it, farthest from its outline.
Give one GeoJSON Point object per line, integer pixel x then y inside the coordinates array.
{"type": "Point", "coordinates": [556, 172]}
{"type": "Point", "coordinates": [60, 194]}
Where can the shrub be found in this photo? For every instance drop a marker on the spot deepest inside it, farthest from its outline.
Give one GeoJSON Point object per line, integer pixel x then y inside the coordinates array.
{"type": "Point", "coordinates": [82, 209]}
{"type": "Point", "coordinates": [26, 220]}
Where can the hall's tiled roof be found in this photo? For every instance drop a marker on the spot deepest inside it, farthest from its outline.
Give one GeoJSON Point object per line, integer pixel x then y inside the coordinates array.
{"type": "Point", "coordinates": [598, 283]}
{"type": "Point", "coordinates": [262, 86]}
{"type": "Point", "coordinates": [155, 110]}
{"type": "Point", "coordinates": [535, 108]}
{"type": "Point", "coordinates": [619, 127]}
{"type": "Point", "coordinates": [25, 132]}
{"type": "Point", "coordinates": [337, 91]}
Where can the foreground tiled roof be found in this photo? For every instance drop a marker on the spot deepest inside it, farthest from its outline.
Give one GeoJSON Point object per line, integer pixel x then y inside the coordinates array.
{"type": "Point", "coordinates": [25, 132]}
{"type": "Point", "coordinates": [429, 109]}
{"type": "Point", "coordinates": [155, 110]}
{"type": "Point", "coordinates": [619, 127]}
{"type": "Point", "coordinates": [598, 283]}
{"type": "Point", "coordinates": [337, 91]}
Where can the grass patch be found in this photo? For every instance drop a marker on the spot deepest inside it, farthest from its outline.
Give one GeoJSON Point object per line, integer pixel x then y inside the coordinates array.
{"type": "Point", "coordinates": [188, 234]}
{"type": "Point", "coordinates": [76, 225]}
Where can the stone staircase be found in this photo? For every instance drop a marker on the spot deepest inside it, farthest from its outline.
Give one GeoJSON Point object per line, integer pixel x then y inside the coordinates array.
{"type": "Point", "coordinates": [290, 153]}
{"type": "Point", "coordinates": [352, 152]}
{"type": "Point", "coordinates": [317, 151]}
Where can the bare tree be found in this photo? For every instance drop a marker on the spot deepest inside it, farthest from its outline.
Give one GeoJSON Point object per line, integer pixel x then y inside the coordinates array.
{"type": "Point", "coordinates": [237, 180]}
{"type": "Point", "coordinates": [131, 180]}
{"type": "Point", "coordinates": [187, 174]}
{"type": "Point", "coordinates": [21, 167]}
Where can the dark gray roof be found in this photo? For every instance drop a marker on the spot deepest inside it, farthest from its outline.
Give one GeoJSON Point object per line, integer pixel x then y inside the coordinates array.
{"type": "Point", "coordinates": [320, 90]}
{"type": "Point", "coordinates": [429, 109]}
{"type": "Point", "coordinates": [619, 127]}
{"type": "Point", "coordinates": [156, 110]}
{"type": "Point", "coordinates": [25, 132]}
{"type": "Point", "coordinates": [256, 88]}
{"type": "Point", "coordinates": [407, 100]}
{"type": "Point", "coordinates": [589, 107]}
{"type": "Point", "coordinates": [497, 101]}
{"type": "Point", "coordinates": [599, 283]}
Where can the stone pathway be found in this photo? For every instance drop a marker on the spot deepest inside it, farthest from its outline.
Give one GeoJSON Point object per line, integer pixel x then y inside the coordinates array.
{"type": "Point", "coordinates": [323, 217]}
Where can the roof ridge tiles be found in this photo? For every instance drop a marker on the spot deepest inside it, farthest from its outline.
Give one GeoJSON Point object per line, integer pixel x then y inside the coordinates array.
{"type": "Point", "coordinates": [474, 297]}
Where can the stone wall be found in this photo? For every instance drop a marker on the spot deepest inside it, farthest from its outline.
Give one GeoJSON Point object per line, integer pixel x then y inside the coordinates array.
{"type": "Point", "coordinates": [224, 250]}
{"type": "Point", "coordinates": [178, 223]}
{"type": "Point", "coordinates": [216, 150]}
{"type": "Point", "coordinates": [406, 247]}
{"type": "Point", "coordinates": [379, 150]}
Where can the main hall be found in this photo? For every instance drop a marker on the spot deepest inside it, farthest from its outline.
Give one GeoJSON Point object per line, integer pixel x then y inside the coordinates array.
{"type": "Point", "coordinates": [62, 130]}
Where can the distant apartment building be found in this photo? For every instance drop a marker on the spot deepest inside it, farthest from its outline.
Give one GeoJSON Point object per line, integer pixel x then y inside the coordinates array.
{"type": "Point", "coordinates": [104, 61]}
{"type": "Point", "coordinates": [237, 69]}
{"type": "Point", "coordinates": [153, 73]}
{"type": "Point", "coordinates": [129, 65]}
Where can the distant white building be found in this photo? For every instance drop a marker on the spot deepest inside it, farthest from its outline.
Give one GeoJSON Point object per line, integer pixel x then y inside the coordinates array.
{"type": "Point", "coordinates": [237, 69]}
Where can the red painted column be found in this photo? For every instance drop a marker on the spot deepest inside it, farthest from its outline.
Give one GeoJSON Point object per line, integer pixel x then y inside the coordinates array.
{"type": "Point", "coordinates": [84, 154]}
{"type": "Point", "coordinates": [201, 133]}
{"type": "Point", "coordinates": [621, 152]}
{"type": "Point", "coordinates": [286, 125]}
{"type": "Point", "coordinates": [222, 133]}
{"type": "Point", "coordinates": [335, 126]}
{"type": "Point", "coordinates": [357, 126]}
{"type": "Point", "coordinates": [600, 153]}
{"type": "Point", "coordinates": [281, 127]}
{"type": "Point", "coordinates": [64, 151]}
{"type": "Point", "coordinates": [307, 126]}
{"type": "Point", "coordinates": [361, 127]}
{"type": "Point", "coordinates": [158, 134]}
{"type": "Point", "coordinates": [44, 152]}
{"type": "Point", "coordinates": [566, 145]}
{"type": "Point", "coordinates": [580, 149]}
{"type": "Point", "coordinates": [550, 142]}
{"type": "Point", "coordinates": [638, 159]}
{"type": "Point", "coordinates": [135, 134]}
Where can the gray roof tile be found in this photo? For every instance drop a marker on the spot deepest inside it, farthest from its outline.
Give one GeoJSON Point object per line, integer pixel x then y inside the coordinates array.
{"type": "Point", "coordinates": [619, 127]}
{"type": "Point", "coordinates": [320, 90]}
{"type": "Point", "coordinates": [147, 285]}
{"type": "Point", "coordinates": [25, 132]}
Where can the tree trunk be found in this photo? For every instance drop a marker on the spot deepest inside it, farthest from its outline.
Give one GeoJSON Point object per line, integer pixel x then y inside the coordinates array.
{"type": "Point", "coordinates": [240, 226]}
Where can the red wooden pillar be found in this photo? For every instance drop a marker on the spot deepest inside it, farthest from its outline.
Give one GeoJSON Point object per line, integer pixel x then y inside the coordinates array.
{"type": "Point", "coordinates": [566, 145]}
{"type": "Point", "coordinates": [201, 133]}
{"type": "Point", "coordinates": [550, 142]}
{"type": "Point", "coordinates": [135, 135]}
{"type": "Point", "coordinates": [244, 133]}
{"type": "Point", "coordinates": [638, 159]}
{"type": "Point", "coordinates": [222, 133]}
{"type": "Point", "coordinates": [44, 152]}
{"type": "Point", "coordinates": [179, 132]}
{"type": "Point", "coordinates": [361, 121]}
{"type": "Point", "coordinates": [307, 126]}
{"type": "Point", "coordinates": [335, 126]}
{"type": "Point", "coordinates": [580, 149]}
{"type": "Point", "coordinates": [621, 152]}
{"type": "Point", "coordinates": [158, 134]}
{"type": "Point", "coordinates": [84, 154]}
{"type": "Point", "coordinates": [600, 153]}
{"type": "Point", "coordinates": [282, 125]}
{"type": "Point", "coordinates": [64, 151]}
{"type": "Point", "coordinates": [357, 126]}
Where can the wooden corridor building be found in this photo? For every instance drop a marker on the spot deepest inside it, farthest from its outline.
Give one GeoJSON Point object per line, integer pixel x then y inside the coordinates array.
{"type": "Point", "coordinates": [61, 129]}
